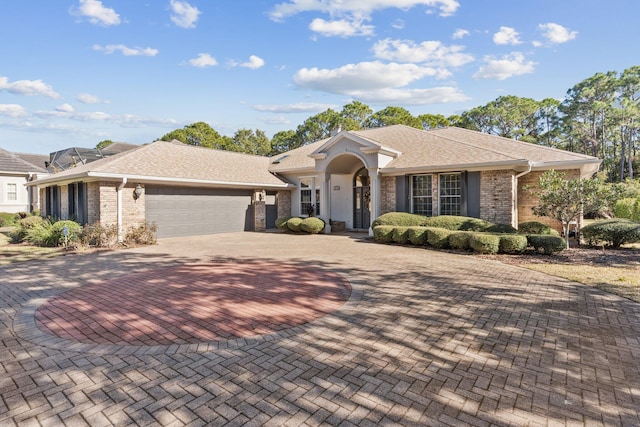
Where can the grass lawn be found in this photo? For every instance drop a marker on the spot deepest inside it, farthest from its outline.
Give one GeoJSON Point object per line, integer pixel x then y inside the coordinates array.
{"type": "Point", "coordinates": [10, 253]}
{"type": "Point", "coordinates": [619, 280]}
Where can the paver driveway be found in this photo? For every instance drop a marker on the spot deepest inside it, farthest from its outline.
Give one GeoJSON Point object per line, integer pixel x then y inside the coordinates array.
{"type": "Point", "coordinates": [425, 338]}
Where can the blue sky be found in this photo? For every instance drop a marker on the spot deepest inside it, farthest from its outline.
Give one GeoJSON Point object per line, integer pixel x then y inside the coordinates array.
{"type": "Point", "coordinates": [76, 72]}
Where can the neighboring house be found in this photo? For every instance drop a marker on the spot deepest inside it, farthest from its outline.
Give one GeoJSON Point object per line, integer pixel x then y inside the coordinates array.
{"type": "Point", "coordinates": [350, 178]}
{"type": "Point", "coordinates": [72, 157]}
{"type": "Point", "coordinates": [15, 171]}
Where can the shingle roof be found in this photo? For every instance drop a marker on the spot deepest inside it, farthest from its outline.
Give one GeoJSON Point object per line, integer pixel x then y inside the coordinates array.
{"type": "Point", "coordinates": [35, 159]}
{"type": "Point", "coordinates": [11, 163]}
{"type": "Point", "coordinates": [176, 161]}
{"type": "Point", "coordinates": [440, 148]}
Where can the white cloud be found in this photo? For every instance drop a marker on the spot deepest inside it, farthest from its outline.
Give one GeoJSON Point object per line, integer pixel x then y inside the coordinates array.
{"type": "Point", "coordinates": [125, 50]}
{"type": "Point", "coordinates": [203, 60]}
{"type": "Point", "coordinates": [65, 108]}
{"type": "Point", "coordinates": [432, 53]}
{"type": "Point", "coordinates": [505, 67]}
{"type": "Point", "coordinates": [556, 33]}
{"type": "Point", "coordinates": [341, 28]}
{"type": "Point", "coordinates": [398, 24]}
{"type": "Point", "coordinates": [507, 35]}
{"type": "Point", "coordinates": [28, 87]}
{"type": "Point", "coordinates": [12, 110]}
{"type": "Point", "coordinates": [460, 33]}
{"type": "Point", "coordinates": [301, 107]}
{"type": "Point", "coordinates": [359, 8]}
{"type": "Point", "coordinates": [97, 13]}
{"type": "Point", "coordinates": [87, 98]}
{"type": "Point", "coordinates": [254, 63]}
{"type": "Point", "coordinates": [183, 14]}
{"type": "Point", "coordinates": [435, 95]}
{"type": "Point", "coordinates": [377, 82]}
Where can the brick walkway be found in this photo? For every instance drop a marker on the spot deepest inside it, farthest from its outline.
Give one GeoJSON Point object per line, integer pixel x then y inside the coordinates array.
{"type": "Point", "coordinates": [425, 338]}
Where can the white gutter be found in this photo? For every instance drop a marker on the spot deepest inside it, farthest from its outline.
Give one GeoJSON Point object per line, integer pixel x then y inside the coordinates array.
{"type": "Point", "coordinates": [529, 167]}
{"type": "Point", "coordinates": [119, 220]}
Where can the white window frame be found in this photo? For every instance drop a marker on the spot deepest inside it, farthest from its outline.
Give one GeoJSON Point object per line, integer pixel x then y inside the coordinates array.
{"type": "Point", "coordinates": [12, 192]}
{"type": "Point", "coordinates": [311, 188]}
{"type": "Point", "coordinates": [449, 197]}
{"type": "Point", "coordinates": [413, 196]}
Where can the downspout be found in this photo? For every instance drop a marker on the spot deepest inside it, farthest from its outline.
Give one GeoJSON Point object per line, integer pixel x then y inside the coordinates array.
{"type": "Point", "coordinates": [529, 167]}
{"type": "Point", "coordinates": [119, 219]}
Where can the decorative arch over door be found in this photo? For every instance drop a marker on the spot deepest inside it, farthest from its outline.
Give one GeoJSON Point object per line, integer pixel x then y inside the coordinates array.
{"type": "Point", "coordinates": [361, 199]}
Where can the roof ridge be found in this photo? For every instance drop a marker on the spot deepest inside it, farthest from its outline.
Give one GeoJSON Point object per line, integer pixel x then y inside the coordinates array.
{"type": "Point", "coordinates": [182, 144]}
{"type": "Point", "coordinates": [520, 142]}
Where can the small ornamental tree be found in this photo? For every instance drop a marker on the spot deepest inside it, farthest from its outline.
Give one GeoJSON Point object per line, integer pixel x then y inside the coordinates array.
{"type": "Point", "coordinates": [567, 199]}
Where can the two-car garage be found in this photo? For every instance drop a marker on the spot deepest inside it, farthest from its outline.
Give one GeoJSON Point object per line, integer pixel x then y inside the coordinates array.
{"type": "Point", "coordinates": [189, 211]}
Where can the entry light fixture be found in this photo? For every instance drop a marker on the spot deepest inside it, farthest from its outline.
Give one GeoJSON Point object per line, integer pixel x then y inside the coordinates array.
{"type": "Point", "coordinates": [137, 192]}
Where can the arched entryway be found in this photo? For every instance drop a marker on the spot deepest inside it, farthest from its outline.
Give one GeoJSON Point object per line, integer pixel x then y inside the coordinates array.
{"type": "Point", "coordinates": [361, 199]}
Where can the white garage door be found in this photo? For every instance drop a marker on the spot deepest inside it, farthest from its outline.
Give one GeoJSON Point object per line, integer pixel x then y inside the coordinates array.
{"type": "Point", "coordinates": [181, 211]}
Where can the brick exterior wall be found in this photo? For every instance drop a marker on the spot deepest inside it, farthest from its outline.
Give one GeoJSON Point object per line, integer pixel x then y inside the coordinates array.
{"type": "Point", "coordinates": [259, 211]}
{"type": "Point", "coordinates": [103, 204]}
{"type": "Point", "coordinates": [388, 194]}
{"type": "Point", "coordinates": [497, 197]}
{"type": "Point", "coordinates": [527, 200]}
{"type": "Point", "coordinates": [283, 200]}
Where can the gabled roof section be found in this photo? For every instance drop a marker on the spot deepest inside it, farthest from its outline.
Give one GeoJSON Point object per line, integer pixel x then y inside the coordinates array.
{"type": "Point", "coordinates": [175, 162]}
{"type": "Point", "coordinates": [451, 148]}
{"type": "Point", "coordinates": [367, 145]}
{"type": "Point", "coordinates": [12, 163]}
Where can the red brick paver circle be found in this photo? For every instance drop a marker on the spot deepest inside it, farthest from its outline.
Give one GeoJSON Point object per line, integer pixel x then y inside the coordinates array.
{"type": "Point", "coordinates": [194, 304]}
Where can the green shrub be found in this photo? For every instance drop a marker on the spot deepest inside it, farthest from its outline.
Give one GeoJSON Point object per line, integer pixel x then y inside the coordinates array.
{"type": "Point", "coordinates": [536, 227]}
{"type": "Point", "coordinates": [460, 240]}
{"type": "Point", "coordinates": [99, 236]}
{"type": "Point", "coordinates": [44, 233]}
{"type": "Point", "coordinates": [281, 223]}
{"type": "Point", "coordinates": [417, 235]}
{"type": "Point", "coordinates": [546, 243]}
{"type": "Point", "coordinates": [485, 243]}
{"type": "Point", "coordinates": [19, 234]}
{"type": "Point", "coordinates": [383, 233]}
{"type": "Point", "coordinates": [22, 215]}
{"type": "Point", "coordinates": [438, 237]}
{"type": "Point", "coordinates": [627, 208]}
{"type": "Point", "coordinates": [294, 224]}
{"type": "Point", "coordinates": [74, 231]}
{"type": "Point", "coordinates": [400, 235]}
{"type": "Point", "coordinates": [454, 223]}
{"type": "Point", "coordinates": [513, 243]}
{"type": "Point", "coordinates": [402, 219]}
{"type": "Point", "coordinates": [7, 219]}
{"type": "Point", "coordinates": [31, 221]}
{"type": "Point", "coordinates": [613, 232]}
{"type": "Point", "coordinates": [501, 228]}
{"type": "Point", "coordinates": [143, 234]}
{"type": "Point", "coordinates": [312, 225]}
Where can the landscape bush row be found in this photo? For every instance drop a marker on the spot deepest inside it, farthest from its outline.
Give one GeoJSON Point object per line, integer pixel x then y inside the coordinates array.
{"type": "Point", "coordinates": [39, 231]}
{"type": "Point", "coordinates": [464, 233]}
{"type": "Point", "coordinates": [311, 225]}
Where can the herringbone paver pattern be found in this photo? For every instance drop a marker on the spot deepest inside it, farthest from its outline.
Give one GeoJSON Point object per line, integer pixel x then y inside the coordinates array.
{"type": "Point", "coordinates": [426, 338]}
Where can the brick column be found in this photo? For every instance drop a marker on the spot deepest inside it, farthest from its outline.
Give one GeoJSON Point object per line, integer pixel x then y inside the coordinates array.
{"type": "Point", "coordinates": [259, 211]}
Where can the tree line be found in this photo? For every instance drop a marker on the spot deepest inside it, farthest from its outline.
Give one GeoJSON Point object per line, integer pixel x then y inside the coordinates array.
{"type": "Point", "coordinates": [600, 116]}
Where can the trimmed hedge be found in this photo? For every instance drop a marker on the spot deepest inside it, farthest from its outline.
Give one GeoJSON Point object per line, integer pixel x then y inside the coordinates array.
{"type": "Point", "coordinates": [312, 225]}
{"type": "Point", "coordinates": [281, 223]}
{"type": "Point", "coordinates": [460, 240]}
{"type": "Point", "coordinates": [458, 223]}
{"type": "Point", "coordinates": [383, 233]}
{"type": "Point", "coordinates": [513, 243]}
{"type": "Point", "coordinates": [438, 237]}
{"type": "Point", "coordinates": [417, 235]}
{"type": "Point", "coordinates": [485, 243]}
{"type": "Point", "coordinates": [614, 232]}
{"type": "Point", "coordinates": [294, 224]}
{"type": "Point", "coordinates": [546, 243]}
{"type": "Point", "coordinates": [536, 227]}
{"type": "Point", "coordinates": [400, 235]}
{"type": "Point", "coordinates": [501, 228]}
{"type": "Point", "coordinates": [401, 219]}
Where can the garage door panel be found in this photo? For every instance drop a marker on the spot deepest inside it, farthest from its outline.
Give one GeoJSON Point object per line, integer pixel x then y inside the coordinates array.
{"type": "Point", "coordinates": [194, 211]}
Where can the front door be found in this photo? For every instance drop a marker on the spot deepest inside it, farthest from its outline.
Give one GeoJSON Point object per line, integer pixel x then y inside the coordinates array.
{"type": "Point", "coordinates": [362, 200]}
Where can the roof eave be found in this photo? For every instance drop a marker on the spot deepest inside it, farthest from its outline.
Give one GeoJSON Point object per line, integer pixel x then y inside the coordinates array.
{"type": "Point", "coordinates": [159, 180]}
{"type": "Point", "coordinates": [518, 166]}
